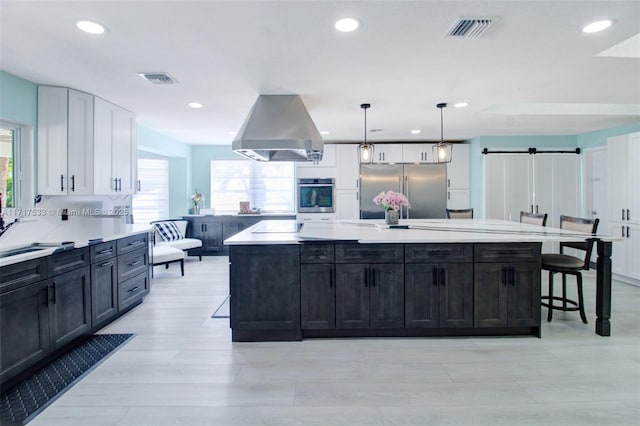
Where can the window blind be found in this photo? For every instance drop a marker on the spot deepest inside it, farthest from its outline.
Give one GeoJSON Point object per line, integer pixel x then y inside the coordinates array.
{"type": "Point", "coordinates": [152, 200]}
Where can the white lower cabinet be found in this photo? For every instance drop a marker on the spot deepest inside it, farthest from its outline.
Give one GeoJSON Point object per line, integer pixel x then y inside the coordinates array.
{"type": "Point", "coordinates": [626, 253]}
{"type": "Point", "coordinates": [347, 204]}
{"type": "Point", "coordinates": [458, 199]}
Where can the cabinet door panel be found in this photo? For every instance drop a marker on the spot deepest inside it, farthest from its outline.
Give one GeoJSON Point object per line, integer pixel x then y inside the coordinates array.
{"type": "Point", "coordinates": [352, 296]}
{"type": "Point", "coordinates": [489, 295]}
{"type": "Point", "coordinates": [104, 178]}
{"type": "Point", "coordinates": [261, 279]}
{"type": "Point", "coordinates": [124, 150]}
{"type": "Point", "coordinates": [69, 306]}
{"type": "Point", "coordinates": [617, 179]}
{"type": "Point", "coordinates": [318, 296]}
{"type": "Point", "coordinates": [458, 168]}
{"type": "Point", "coordinates": [524, 295]}
{"type": "Point", "coordinates": [52, 140]}
{"type": "Point", "coordinates": [348, 170]}
{"type": "Point", "coordinates": [387, 296]}
{"type": "Point", "coordinates": [80, 143]}
{"type": "Point", "coordinates": [104, 291]}
{"type": "Point", "coordinates": [456, 295]}
{"type": "Point", "coordinates": [24, 328]}
{"type": "Point", "coordinates": [421, 295]}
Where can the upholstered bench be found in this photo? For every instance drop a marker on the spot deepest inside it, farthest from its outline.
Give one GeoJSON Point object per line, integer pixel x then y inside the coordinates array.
{"type": "Point", "coordinates": [172, 233]}
{"type": "Point", "coordinates": [164, 255]}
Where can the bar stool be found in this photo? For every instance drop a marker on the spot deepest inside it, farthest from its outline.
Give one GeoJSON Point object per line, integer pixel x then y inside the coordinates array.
{"type": "Point", "coordinates": [539, 219]}
{"type": "Point", "coordinates": [459, 214]}
{"type": "Point", "coordinates": [569, 265]}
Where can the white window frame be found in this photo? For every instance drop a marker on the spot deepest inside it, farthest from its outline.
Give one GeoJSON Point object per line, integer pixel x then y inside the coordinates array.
{"type": "Point", "coordinates": [253, 192]}
{"type": "Point", "coordinates": [161, 198]}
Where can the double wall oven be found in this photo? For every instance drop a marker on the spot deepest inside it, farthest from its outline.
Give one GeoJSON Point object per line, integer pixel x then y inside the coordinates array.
{"type": "Point", "coordinates": [316, 195]}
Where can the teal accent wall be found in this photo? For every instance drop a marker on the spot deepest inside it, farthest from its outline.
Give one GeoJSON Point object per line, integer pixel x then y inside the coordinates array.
{"type": "Point", "coordinates": [599, 137]}
{"type": "Point", "coordinates": [18, 100]}
{"type": "Point", "coordinates": [201, 156]}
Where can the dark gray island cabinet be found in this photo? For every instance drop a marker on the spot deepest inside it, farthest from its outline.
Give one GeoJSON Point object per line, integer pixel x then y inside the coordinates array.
{"type": "Point", "coordinates": [347, 289]}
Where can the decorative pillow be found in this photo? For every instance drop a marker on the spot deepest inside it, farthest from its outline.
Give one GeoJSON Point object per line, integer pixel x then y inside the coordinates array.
{"type": "Point", "coordinates": [168, 231]}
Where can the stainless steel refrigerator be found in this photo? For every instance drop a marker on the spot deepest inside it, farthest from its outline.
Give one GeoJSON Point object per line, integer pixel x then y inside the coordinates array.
{"type": "Point", "coordinates": [425, 185]}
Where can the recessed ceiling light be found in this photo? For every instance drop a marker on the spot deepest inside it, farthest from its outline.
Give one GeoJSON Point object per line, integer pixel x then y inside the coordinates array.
{"type": "Point", "coordinates": [195, 105]}
{"type": "Point", "coordinates": [90, 27]}
{"type": "Point", "coordinates": [595, 27]}
{"type": "Point", "coordinates": [324, 132]}
{"type": "Point", "coordinates": [416, 131]}
{"type": "Point", "coordinates": [346, 25]}
{"type": "Point", "coordinates": [233, 133]}
{"type": "Point", "coordinates": [461, 104]}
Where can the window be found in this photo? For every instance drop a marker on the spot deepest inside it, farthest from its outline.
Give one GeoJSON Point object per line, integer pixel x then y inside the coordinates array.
{"type": "Point", "coordinates": [267, 186]}
{"type": "Point", "coordinates": [152, 201]}
{"type": "Point", "coordinates": [9, 141]}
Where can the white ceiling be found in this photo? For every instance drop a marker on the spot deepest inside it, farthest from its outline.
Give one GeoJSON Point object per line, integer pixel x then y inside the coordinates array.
{"type": "Point", "coordinates": [532, 73]}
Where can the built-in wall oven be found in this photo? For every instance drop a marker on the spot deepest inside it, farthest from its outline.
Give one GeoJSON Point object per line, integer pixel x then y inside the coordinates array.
{"type": "Point", "coordinates": [316, 195]}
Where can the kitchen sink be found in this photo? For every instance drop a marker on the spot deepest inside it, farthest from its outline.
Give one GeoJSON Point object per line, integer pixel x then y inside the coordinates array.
{"type": "Point", "coordinates": [35, 247]}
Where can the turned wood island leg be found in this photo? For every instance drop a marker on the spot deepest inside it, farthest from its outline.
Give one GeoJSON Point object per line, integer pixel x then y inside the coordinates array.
{"type": "Point", "coordinates": [603, 289]}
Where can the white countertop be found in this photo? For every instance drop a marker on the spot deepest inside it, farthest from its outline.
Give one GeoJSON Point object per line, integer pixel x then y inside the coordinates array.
{"type": "Point", "coordinates": [78, 230]}
{"type": "Point", "coordinates": [420, 231]}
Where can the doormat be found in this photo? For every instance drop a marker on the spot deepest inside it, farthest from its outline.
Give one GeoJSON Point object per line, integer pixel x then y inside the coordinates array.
{"type": "Point", "coordinates": [22, 402]}
{"type": "Point", "coordinates": [222, 311]}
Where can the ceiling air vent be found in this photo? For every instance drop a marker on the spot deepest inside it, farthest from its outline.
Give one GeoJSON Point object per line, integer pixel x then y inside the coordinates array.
{"type": "Point", "coordinates": [470, 27]}
{"type": "Point", "coordinates": [158, 77]}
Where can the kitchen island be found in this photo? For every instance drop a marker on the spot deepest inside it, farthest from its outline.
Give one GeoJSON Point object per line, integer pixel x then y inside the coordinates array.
{"type": "Point", "coordinates": [425, 278]}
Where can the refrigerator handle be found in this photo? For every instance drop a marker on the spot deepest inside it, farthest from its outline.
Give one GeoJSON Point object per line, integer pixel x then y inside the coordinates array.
{"type": "Point", "coordinates": [406, 189]}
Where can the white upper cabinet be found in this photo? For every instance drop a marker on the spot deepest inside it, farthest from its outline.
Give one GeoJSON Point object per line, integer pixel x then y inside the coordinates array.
{"type": "Point", "coordinates": [417, 153]}
{"type": "Point", "coordinates": [65, 141]}
{"type": "Point", "coordinates": [115, 149]}
{"type": "Point", "coordinates": [458, 176]}
{"type": "Point", "coordinates": [328, 158]}
{"type": "Point", "coordinates": [623, 157]}
{"type": "Point", "coordinates": [348, 172]}
{"type": "Point", "coordinates": [86, 145]}
{"type": "Point", "coordinates": [387, 153]}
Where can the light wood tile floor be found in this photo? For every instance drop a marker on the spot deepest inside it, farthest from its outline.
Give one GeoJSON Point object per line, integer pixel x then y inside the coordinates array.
{"type": "Point", "coordinates": [182, 369]}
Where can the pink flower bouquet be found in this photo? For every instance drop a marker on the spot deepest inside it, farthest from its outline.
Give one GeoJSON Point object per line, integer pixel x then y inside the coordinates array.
{"type": "Point", "coordinates": [391, 201]}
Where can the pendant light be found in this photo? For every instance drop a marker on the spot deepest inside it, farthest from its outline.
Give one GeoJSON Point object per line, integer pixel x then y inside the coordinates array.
{"type": "Point", "coordinates": [365, 150]}
{"type": "Point", "coordinates": [443, 150]}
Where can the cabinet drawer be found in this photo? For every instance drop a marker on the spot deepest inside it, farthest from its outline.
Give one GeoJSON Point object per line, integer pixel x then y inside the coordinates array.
{"type": "Point", "coordinates": [519, 252]}
{"type": "Point", "coordinates": [317, 253]}
{"type": "Point", "coordinates": [68, 261]}
{"type": "Point", "coordinates": [132, 264]}
{"type": "Point", "coordinates": [369, 253]}
{"type": "Point", "coordinates": [419, 253]}
{"type": "Point", "coordinates": [134, 242]}
{"type": "Point", "coordinates": [103, 251]}
{"type": "Point", "coordinates": [23, 273]}
{"type": "Point", "coordinates": [132, 290]}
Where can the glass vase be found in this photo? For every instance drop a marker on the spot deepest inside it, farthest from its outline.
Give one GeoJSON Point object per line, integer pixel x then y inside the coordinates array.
{"type": "Point", "coordinates": [391, 217]}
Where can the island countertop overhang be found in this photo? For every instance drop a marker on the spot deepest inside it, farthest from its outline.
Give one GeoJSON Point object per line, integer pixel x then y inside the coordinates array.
{"type": "Point", "coordinates": [418, 231]}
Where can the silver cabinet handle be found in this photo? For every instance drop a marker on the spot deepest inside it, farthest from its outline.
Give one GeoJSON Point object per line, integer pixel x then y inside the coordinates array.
{"type": "Point", "coordinates": [622, 214]}
{"type": "Point", "coordinates": [628, 214]}
{"type": "Point", "coordinates": [61, 183]}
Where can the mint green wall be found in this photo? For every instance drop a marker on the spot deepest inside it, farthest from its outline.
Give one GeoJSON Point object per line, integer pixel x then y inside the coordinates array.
{"type": "Point", "coordinates": [201, 156]}
{"type": "Point", "coordinates": [599, 137]}
{"type": "Point", "coordinates": [18, 100]}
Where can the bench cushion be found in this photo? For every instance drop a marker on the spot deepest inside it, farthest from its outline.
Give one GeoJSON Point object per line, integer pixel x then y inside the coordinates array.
{"type": "Point", "coordinates": [182, 244]}
{"type": "Point", "coordinates": [166, 253]}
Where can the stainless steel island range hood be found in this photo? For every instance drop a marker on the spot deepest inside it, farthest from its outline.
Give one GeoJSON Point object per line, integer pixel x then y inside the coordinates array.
{"type": "Point", "coordinates": [279, 128]}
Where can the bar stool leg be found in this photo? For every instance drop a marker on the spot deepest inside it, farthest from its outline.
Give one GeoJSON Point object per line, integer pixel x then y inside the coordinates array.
{"type": "Point", "coordinates": [580, 300]}
{"type": "Point", "coordinates": [550, 313]}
